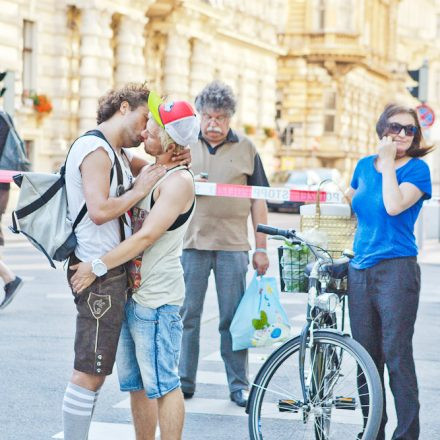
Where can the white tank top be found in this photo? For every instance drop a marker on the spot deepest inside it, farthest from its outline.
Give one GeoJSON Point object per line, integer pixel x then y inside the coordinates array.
{"type": "Point", "coordinates": [93, 240]}
{"type": "Point", "coordinates": [157, 274]}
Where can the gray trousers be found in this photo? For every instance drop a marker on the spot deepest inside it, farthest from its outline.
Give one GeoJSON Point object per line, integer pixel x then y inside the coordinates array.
{"type": "Point", "coordinates": [383, 301]}
{"type": "Point", "coordinates": [230, 269]}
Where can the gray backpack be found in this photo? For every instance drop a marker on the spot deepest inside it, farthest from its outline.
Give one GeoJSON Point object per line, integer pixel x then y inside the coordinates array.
{"type": "Point", "coordinates": [12, 150]}
{"type": "Point", "coordinates": [41, 212]}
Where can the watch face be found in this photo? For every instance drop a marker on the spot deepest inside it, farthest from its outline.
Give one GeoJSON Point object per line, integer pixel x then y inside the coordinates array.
{"type": "Point", "coordinates": [99, 268]}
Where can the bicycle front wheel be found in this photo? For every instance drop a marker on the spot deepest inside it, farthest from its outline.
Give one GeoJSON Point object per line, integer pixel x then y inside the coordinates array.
{"type": "Point", "coordinates": [342, 385]}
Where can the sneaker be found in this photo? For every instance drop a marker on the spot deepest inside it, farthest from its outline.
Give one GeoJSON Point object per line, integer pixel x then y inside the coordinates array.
{"type": "Point", "coordinates": [11, 289]}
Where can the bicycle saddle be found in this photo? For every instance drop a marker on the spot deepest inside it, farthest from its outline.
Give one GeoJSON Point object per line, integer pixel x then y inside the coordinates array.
{"type": "Point", "coordinates": [338, 269]}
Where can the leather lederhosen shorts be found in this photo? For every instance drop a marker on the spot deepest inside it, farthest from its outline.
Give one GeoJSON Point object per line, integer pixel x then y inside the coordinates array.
{"type": "Point", "coordinates": [101, 310]}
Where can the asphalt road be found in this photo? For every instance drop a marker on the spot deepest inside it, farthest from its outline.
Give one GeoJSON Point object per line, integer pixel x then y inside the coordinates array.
{"type": "Point", "coordinates": [36, 358]}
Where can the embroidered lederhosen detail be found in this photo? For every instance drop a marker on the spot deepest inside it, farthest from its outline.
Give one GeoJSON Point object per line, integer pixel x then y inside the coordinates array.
{"type": "Point", "coordinates": [99, 305]}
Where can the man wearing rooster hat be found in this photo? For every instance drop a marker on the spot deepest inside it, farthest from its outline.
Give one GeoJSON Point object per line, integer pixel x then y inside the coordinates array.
{"type": "Point", "coordinates": [149, 345]}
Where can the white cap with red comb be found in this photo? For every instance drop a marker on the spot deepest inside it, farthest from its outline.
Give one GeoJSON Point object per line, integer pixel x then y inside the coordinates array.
{"type": "Point", "coordinates": [179, 120]}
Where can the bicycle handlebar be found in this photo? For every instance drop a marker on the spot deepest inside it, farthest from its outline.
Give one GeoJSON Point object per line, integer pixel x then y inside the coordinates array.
{"type": "Point", "coordinates": [270, 230]}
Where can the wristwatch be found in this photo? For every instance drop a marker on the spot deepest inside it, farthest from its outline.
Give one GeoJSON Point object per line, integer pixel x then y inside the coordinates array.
{"type": "Point", "coordinates": [98, 267]}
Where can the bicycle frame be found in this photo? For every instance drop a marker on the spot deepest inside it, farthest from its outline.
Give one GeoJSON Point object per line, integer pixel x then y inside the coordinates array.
{"type": "Point", "coordinates": [317, 285]}
{"type": "Point", "coordinates": [313, 323]}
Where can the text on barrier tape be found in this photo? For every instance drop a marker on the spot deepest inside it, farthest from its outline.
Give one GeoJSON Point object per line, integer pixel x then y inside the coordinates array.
{"type": "Point", "coordinates": [263, 192]}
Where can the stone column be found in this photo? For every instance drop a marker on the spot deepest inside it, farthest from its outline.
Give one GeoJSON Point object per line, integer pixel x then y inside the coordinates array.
{"type": "Point", "coordinates": [96, 70]}
{"type": "Point", "coordinates": [130, 42]}
{"type": "Point", "coordinates": [55, 82]}
{"type": "Point", "coordinates": [201, 66]}
{"type": "Point", "coordinates": [177, 66]}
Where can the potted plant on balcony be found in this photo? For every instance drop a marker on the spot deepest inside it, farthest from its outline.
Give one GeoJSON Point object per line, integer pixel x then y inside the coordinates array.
{"type": "Point", "coordinates": [42, 104]}
{"type": "Point", "coordinates": [249, 129]}
{"type": "Point", "coordinates": [269, 132]}
{"type": "Point", "coordinates": [38, 102]}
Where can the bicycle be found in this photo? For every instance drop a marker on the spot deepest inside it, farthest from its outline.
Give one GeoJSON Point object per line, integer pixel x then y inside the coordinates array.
{"type": "Point", "coordinates": [321, 384]}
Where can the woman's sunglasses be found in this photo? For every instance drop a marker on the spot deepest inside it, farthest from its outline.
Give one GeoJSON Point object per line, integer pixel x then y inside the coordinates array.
{"type": "Point", "coordinates": [396, 128]}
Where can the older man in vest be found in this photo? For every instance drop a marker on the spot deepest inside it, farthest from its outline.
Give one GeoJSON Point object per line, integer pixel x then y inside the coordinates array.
{"type": "Point", "coordinates": [217, 237]}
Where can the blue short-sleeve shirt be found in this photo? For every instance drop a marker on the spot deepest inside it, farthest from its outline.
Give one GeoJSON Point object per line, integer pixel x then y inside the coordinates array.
{"type": "Point", "coordinates": [380, 236]}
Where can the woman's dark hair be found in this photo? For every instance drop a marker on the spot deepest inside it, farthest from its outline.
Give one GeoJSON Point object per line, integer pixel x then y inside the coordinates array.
{"type": "Point", "coordinates": [418, 147]}
{"type": "Point", "coordinates": [135, 94]}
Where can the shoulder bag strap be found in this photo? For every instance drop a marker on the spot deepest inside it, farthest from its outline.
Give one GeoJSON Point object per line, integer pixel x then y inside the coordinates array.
{"type": "Point", "coordinates": [119, 177]}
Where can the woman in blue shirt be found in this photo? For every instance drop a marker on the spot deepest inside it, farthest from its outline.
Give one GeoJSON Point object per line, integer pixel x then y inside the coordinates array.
{"type": "Point", "coordinates": [387, 192]}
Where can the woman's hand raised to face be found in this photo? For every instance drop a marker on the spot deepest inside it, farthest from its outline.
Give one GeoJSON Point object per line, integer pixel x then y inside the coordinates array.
{"type": "Point", "coordinates": [387, 149]}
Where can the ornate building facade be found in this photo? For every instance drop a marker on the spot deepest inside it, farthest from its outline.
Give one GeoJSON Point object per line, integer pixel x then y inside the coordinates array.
{"type": "Point", "coordinates": [72, 51]}
{"type": "Point", "coordinates": [318, 72]}
{"type": "Point", "coordinates": [337, 75]}
{"type": "Point", "coordinates": [345, 60]}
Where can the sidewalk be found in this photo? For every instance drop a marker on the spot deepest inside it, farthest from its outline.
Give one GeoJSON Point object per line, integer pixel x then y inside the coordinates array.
{"type": "Point", "coordinates": [430, 253]}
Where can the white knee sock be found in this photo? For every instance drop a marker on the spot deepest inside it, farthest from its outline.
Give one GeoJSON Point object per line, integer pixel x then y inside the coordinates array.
{"type": "Point", "coordinates": [78, 405]}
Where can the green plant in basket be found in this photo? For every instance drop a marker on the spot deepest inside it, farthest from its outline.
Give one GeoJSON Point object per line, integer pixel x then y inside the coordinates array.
{"type": "Point", "coordinates": [294, 262]}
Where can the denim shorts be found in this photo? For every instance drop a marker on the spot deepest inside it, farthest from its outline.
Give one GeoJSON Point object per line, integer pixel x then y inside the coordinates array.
{"type": "Point", "coordinates": [149, 349]}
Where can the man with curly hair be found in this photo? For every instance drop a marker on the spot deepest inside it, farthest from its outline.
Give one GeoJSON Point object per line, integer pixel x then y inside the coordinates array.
{"type": "Point", "coordinates": [100, 172]}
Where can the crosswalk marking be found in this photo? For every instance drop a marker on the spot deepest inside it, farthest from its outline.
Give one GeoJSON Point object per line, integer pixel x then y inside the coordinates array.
{"type": "Point", "coordinates": [300, 317]}
{"type": "Point", "coordinates": [29, 256]}
{"type": "Point", "coordinates": [18, 244]}
{"type": "Point", "coordinates": [288, 299]}
{"type": "Point", "coordinates": [254, 358]}
{"type": "Point", "coordinates": [107, 431]}
{"type": "Point", "coordinates": [66, 295]}
{"type": "Point", "coordinates": [203, 376]}
{"type": "Point", "coordinates": [198, 405]}
{"type": "Point", "coordinates": [223, 407]}
{"type": "Point", "coordinates": [17, 267]}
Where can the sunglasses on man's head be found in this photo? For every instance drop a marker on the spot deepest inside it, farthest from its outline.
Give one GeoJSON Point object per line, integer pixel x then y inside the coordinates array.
{"type": "Point", "coordinates": [396, 128]}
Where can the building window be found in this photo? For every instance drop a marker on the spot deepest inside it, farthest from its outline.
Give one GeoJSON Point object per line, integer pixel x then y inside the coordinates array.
{"type": "Point", "coordinates": [288, 135]}
{"type": "Point", "coordinates": [29, 147]}
{"type": "Point", "coordinates": [321, 15]}
{"type": "Point", "coordinates": [28, 55]}
{"type": "Point", "coordinates": [329, 111]}
{"type": "Point", "coordinates": [345, 16]}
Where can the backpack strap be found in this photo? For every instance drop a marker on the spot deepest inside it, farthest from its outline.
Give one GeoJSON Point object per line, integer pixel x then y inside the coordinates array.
{"type": "Point", "coordinates": [119, 182]}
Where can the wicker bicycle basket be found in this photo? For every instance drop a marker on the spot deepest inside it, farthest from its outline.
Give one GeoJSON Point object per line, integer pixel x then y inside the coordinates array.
{"type": "Point", "coordinates": [340, 230]}
{"type": "Point", "coordinates": [292, 262]}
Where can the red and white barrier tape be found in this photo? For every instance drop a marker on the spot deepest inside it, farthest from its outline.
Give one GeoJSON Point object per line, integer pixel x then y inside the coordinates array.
{"type": "Point", "coordinates": [263, 192]}
{"type": "Point", "coordinates": [6, 175]}
{"type": "Point", "coordinates": [244, 191]}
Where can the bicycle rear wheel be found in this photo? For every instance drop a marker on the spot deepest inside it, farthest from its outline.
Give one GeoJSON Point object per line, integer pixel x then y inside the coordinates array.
{"type": "Point", "coordinates": [342, 384]}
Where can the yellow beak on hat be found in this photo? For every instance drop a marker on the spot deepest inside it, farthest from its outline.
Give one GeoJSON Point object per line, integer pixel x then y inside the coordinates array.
{"type": "Point", "coordinates": [154, 101]}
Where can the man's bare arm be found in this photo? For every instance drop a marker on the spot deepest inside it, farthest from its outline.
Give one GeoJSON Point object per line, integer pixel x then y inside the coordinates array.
{"type": "Point", "coordinates": [260, 260]}
{"type": "Point", "coordinates": [95, 172]}
{"type": "Point", "coordinates": [175, 197]}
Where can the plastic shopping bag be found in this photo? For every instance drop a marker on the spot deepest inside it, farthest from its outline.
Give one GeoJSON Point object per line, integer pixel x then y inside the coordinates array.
{"type": "Point", "coordinates": [259, 320]}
